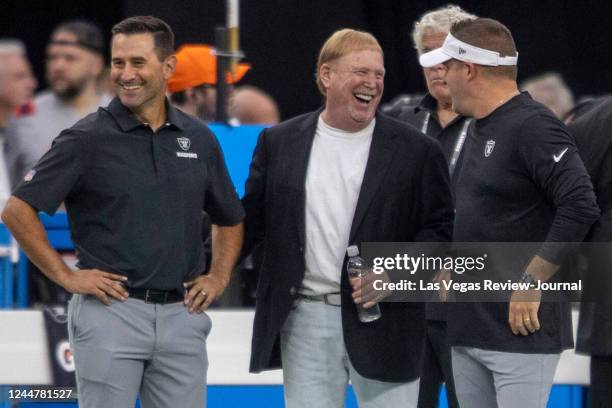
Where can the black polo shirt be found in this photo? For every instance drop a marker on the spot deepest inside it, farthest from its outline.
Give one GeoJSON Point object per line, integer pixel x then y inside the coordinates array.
{"type": "Point", "coordinates": [522, 180]}
{"type": "Point", "coordinates": [135, 197]}
{"type": "Point", "coordinates": [424, 117]}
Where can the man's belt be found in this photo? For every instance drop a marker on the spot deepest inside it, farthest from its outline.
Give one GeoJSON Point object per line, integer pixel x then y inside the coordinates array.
{"type": "Point", "coordinates": [156, 296]}
{"type": "Point", "coordinates": [332, 299]}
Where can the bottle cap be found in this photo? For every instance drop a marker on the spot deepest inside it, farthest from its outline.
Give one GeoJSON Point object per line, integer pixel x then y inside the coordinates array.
{"type": "Point", "coordinates": [353, 250]}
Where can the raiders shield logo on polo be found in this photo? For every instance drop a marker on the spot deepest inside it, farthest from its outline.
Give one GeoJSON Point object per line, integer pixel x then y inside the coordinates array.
{"type": "Point", "coordinates": [489, 148]}
{"type": "Point", "coordinates": [184, 143]}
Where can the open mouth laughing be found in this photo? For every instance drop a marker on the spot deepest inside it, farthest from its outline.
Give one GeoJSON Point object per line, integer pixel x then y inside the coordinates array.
{"type": "Point", "coordinates": [363, 98]}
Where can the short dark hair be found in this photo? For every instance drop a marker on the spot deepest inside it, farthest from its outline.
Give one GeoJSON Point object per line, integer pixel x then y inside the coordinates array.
{"type": "Point", "coordinates": [163, 36]}
{"type": "Point", "coordinates": [491, 35]}
{"type": "Point", "coordinates": [88, 34]}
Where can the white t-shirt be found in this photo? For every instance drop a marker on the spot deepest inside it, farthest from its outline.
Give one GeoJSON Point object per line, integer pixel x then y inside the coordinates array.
{"type": "Point", "coordinates": [333, 181]}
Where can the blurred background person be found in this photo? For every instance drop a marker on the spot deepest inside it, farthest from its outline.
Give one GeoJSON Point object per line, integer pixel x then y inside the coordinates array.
{"type": "Point", "coordinates": [75, 60]}
{"type": "Point", "coordinates": [17, 86]}
{"type": "Point", "coordinates": [592, 135]}
{"type": "Point", "coordinates": [192, 87]}
{"type": "Point", "coordinates": [585, 104]}
{"type": "Point", "coordinates": [251, 105]}
{"type": "Point", "coordinates": [551, 90]}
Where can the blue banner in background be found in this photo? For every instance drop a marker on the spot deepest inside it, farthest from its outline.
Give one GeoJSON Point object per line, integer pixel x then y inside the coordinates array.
{"type": "Point", "coordinates": [238, 144]}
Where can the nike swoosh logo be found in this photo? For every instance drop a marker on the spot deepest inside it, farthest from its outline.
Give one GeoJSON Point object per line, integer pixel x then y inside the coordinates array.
{"type": "Point", "coordinates": [558, 157]}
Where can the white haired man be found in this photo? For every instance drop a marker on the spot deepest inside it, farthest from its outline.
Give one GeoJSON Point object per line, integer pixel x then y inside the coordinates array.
{"type": "Point", "coordinates": [435, 117]}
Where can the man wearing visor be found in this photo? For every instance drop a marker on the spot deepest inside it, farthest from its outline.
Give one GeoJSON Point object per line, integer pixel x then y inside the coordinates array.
{"type": "Point", "coordinates": [521, 180]}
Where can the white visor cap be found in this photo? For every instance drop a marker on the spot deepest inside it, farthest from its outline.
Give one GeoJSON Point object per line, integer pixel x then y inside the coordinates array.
{"type": "Point", "coordinates": [457, 49]}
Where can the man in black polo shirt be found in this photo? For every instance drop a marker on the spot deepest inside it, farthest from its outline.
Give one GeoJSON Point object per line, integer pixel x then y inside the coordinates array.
{"type": "Point", "coordinates": [434, 115]}
{"type": "Point", "coordinates": [135, 177]}
{"type": "Point", "coordinates": [521, 181]}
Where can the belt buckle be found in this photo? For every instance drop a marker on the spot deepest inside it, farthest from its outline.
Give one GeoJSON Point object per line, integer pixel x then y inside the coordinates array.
{"type": "Point", "coordinates": [153, 296]}
{"type": "Point", "coordinates": [328, 299]}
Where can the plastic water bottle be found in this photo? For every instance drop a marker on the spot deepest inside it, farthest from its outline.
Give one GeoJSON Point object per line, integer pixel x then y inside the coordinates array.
{"type": "Point", "coordinates": [356, 268]}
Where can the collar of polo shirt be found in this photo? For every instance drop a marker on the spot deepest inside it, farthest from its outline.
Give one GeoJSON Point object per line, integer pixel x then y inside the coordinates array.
{"type": "Point", "coordinates": [462, 51]}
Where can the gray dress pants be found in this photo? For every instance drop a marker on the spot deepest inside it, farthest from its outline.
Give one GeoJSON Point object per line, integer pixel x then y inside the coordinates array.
{"type": "Point", "coordinates": [133, 348]}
